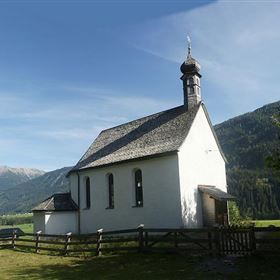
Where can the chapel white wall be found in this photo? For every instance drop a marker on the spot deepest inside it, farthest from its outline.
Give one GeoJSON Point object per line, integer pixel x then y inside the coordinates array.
{"type": "Point", "coordinates": [200, 163]}
{"type": "Point", "coordinates": [61, 222]}
{"type": "Point", "coordinates": [161, 192]}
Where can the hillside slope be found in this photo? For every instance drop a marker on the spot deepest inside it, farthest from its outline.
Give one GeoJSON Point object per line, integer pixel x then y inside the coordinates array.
{"type": "Point", "coordinates": [246, 141]}
{"type": "Point", "coordinates": [24, 196]}
{"type": "Point", "coordinates": [10, 177]}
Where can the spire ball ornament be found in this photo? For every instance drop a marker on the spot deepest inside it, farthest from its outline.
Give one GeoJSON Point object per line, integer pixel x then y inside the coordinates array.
{"type": "Point", "coordinates": [190, 64]}
{"type": "Point", "coordinates": [191, 79]}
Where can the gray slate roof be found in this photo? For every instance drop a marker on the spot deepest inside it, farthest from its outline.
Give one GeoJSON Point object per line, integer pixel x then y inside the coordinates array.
{"type": "Point", "coordinates": [153, 135]}
{"type": "Point", "coordinates": [216, 193]}
{"type": "Point", "coordinates": [57, 202]}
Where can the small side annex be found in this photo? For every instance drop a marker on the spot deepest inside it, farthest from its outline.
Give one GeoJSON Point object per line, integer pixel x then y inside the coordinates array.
{"type": "Point", "coordinates": [214, 205]}
{"type": "Point", "coordinates": [58, 214]}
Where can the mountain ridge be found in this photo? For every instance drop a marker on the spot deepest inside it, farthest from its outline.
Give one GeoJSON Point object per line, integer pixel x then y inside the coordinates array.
{"type": "Point", "coordinates": [12, 176]}
{"type": "Point", "coordinates": [24, 196]}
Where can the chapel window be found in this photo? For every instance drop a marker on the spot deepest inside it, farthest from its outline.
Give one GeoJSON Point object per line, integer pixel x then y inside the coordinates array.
{"type": "Point", "coordinates": [87, 193]}
{"type": "Point", "coordinates": [138, 188]}
{"type": "Point", "coordinates": [111, 190]}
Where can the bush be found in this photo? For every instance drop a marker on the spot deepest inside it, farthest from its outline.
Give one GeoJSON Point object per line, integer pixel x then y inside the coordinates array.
{"type": "Point", "coordinates": [235, 218]}
{"type": "Point", "coordinates": [11, 220]}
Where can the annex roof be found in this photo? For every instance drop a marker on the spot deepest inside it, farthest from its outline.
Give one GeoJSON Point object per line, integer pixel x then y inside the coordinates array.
{"type": "Point", "coordinates": [57, 202]}
{"type": "Point", "coordinates": [216, 193]}
{"type": "Point", "coordinates": [154, 135]}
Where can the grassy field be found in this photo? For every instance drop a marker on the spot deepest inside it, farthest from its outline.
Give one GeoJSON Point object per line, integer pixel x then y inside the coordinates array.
{"type": "Point", "coordinates": [266, 223]}
{"type": "Point", "coordinates": [133, 266]}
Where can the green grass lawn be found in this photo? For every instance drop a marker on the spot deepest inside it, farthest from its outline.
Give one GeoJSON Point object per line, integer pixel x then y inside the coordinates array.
{"type": "Point", "coordinates": [266, 223]}
{"type": "Point", "coordinates": [28, 228]}
{"type": "Point", "coordinates": [133, 266]}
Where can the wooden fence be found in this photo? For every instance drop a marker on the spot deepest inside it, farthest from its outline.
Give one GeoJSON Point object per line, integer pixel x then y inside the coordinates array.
{"type": "Point", "coordinates": [214, 241]}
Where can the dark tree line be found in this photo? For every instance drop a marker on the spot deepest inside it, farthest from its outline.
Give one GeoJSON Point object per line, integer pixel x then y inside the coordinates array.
{"type": "Point", "coordinates": [252, 147]}
{"type": "Point", "coordinates": [257, 193]}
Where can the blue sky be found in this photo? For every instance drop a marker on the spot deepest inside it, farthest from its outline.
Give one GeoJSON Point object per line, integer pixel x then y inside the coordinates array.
{"type": "Point", "coordinates": [69, 69]}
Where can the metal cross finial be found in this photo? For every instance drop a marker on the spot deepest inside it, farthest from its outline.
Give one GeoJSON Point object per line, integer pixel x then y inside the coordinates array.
{"type": "Point", "coordinates": [189, 45]}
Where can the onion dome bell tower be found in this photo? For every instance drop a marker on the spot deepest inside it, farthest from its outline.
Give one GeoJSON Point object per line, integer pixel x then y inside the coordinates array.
{"type": "Point", "coordinates": [191, 79]}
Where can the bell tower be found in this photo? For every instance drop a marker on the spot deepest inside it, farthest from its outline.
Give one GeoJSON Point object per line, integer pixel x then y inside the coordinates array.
{"type": "Point", "coordinates": [191, 79]}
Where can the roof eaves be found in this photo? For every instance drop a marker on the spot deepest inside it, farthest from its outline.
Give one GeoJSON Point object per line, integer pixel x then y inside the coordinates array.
{"type": "Point", "coordinates": [74, 206]}
{"type": "Point", "coordinates": [157, 155]}
{"type": "Point", "coordinates": [46, 207]}
{"type": "Point", "coordinates": [215, 192]}
{"type": "Point", "coordinates": [59, 210]}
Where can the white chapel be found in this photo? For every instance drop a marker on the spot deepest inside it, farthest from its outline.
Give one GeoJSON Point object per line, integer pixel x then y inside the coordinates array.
{"type": "Point", "coordinates": [166, 170]}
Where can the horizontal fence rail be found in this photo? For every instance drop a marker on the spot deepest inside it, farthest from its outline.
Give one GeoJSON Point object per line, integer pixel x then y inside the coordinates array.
{"type": "Point", "coordinates": [213, 241]}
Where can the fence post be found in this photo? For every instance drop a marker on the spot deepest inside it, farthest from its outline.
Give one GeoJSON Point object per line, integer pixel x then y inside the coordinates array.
{"type": "Point", "coordinates": [176, 239]}
{"type": "Point", "coordinates": [146, 239]}
{"type": "Point", "coordinates": [98, 242]}
{"type": "Point", "coordinates": [253, 239]}
{"type": "Point", "coordinates": [209, 233]}
{"type": "Point", "coordinates": [37, 241]}
{"type": "Point", "coordinates": [14, 236]}
{"type": "Point", "coordinates": [67, 241]}
{"type": "Point", "coordinates": [140, 237]}
{"type": "Point", "coordinates": [217, 241]}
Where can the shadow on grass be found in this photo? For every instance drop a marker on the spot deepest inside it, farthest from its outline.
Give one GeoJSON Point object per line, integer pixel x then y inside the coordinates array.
{"type": "Point", "coordinates": [135, 266]}
{"type": "Point", "coordinates": [122, 266]}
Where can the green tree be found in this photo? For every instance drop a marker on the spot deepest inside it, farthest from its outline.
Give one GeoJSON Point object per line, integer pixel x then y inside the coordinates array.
{"type": "Point", "coordinates": [235, 218]}
{"type": "Point", "coordinates": [273, 161]}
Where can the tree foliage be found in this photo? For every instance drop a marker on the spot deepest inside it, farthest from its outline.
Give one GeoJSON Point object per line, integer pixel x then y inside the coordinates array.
{"type": "Point", "coordinates": [247, 141]}
{"type": "Point", "coordinates": [11, 220]}
{"type": "Point", "coordinates": [235, 219]}
{"type": "Point", "coordinates": [273, 160]}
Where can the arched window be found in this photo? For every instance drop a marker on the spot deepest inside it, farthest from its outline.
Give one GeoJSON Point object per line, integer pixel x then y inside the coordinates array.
{"type": "Point", "coordinates": [138, 188]}
{"type": "Point", "coordinates": [87, 193]}
{"type": "Point", "coordinates": [111, 190]}
{"type": "Point", "coordinates": [190, 80]}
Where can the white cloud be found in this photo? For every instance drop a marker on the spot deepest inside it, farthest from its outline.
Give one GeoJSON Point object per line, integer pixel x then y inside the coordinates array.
{"type": "Point", "coordinates": [237, 44]}
{"type": "Point", "coordinates": [78, 119]}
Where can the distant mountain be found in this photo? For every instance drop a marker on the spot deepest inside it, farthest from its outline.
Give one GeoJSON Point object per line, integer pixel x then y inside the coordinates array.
{"type": "Point", "coordinates": [246, 141]}
{"type": "Point", "coordinates": [23, 197]}
{"type": "Point", "coordinates": [10, 177]}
